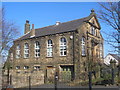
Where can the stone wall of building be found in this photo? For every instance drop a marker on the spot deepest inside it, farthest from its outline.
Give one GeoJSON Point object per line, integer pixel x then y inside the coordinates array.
{"type": "Point", "coordinates": [49, 65]}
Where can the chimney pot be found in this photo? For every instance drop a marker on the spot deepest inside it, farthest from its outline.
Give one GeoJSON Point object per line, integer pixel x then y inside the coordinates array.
{"type": "Point", "coordinates": [27, 21]}
{"type": "Point", "coordinates": [27, 27]}
{"type": "Point", "coordinates": [32, 31]}
{"type": "Point", "coordinates": [57, 22]}
{"type": "Point", "coordinates": [32, 26]}
{"type": "Point", "coordinates": [92, 10]}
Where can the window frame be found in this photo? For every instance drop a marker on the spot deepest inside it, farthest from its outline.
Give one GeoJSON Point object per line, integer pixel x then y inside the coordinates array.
{"type": "Point", "coordinates": [49, 48]}
{"type": "Point", "coordinates": [93, 30]}
{"type": "Point", "coordinates": [17, 67]}
{"type": "Point", "coordinates": [18, 51]}
{"type": "Point", "coordinates": [63, 47]}
{"type": "Point", "coordinates": [26, 50]}
{"type": "Point", "coordinates": [11, 56]}
{"type": "Point", "coordinates": [101, 50]}
{"type": "Point", "coordinates": [37, 49]}
{"type": "Point", "coordinates": [83, 47]}
{"type": "Point", "coordinates": [26, 67]}
{"type": "Point", "coordinates": [36, 67]}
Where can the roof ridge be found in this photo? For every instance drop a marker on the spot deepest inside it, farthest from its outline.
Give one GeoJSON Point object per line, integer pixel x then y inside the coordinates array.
{"type": "Point", "coordinates": [62, 23]}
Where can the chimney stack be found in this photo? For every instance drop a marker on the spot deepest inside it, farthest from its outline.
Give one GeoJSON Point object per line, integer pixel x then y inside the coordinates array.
{"type": "Point", "coordinates": [32, 31]}
{"type": "Point", "coordinates": [27, 27]}
{"type": "Point", "coordinates": [57, 22]}
{"type": "Point", "coordinates": [32, 26]}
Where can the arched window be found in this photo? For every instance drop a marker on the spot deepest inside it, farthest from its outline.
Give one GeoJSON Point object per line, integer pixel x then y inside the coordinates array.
{"type": "Point", "coordinates": [92, 30]}
{"type": "Point", "coordinates": [37, 49]}
{"type": "Point", "coordinates": [18, 51]}
{"type": "Point", "coordinates": [63, 46]}
{"type": "Point", "coordinates": [26, 50]}
{"type": "Point", "coordinates": [83, 46]}
{"type": "Point", "coordinates": [101, 50]}
{"type": "Point", "coordinates": [49, 48]}
{"type": "Point", "coordinates": [11, 56]}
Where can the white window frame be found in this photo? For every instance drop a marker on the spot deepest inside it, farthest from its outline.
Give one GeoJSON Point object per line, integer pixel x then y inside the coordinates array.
{"type": "Point", "coordinates": [49, 48]}
{"type": "Point", "coordinates": [36, 67]}
{"type": "Point", "coordinates": [26, 50]}
{"type": "Point", "coordinates": [63, 47]}
{"type": "Point", "coordinates": [37, 49]}
{"type": "Point", "coordinates": [83, 46]}
{"type": "Point", "coordinates": [101, 51]}
{"type": "Point", "coordinates": [17, 67]}
{"type": "Point", "coordinates": [11, 56]}
{"type": "Point", "coordinates": [26, 67]}
{"type": "Point", "coordinates": [18, 51]}
{"type": "Point", "coordinates": [93, 30]}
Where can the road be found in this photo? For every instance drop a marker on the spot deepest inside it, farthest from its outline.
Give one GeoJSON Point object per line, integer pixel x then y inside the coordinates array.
{"type": "Point", "coordinates": [66, 87]}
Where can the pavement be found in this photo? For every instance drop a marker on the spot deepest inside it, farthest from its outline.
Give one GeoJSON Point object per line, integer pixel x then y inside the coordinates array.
{"type": "Point", "coordinates": [61, 86]}
{"type": "Point", "coordinates": [67, 87]}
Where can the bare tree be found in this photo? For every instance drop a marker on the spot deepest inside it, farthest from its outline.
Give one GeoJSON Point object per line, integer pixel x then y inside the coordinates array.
{"type": "Point", "coordinates": [110, 14]}
{"type": "Point", "coordinates": [8, 31]}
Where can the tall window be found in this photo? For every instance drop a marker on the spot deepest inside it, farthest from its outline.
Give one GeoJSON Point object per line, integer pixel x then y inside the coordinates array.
{"type": "Point", "coordinates": [93, 30]}
{"type": "Point", "coordinates": [26, 50]}
{"type": "Point", "coordinates": [49, 48]}
{"type": "Point", "coordinates": [37, 49]}
{"type": "Point", "coordinates": [63, 46]}
{"type": "Point", "coordinates": [11, 56]}
{"type": "Point", "coordinates": [18, 51]}
{"type": "Point", "coordinates": [101, 51]}
{"type": "Point", "coordinates": [83, 46]}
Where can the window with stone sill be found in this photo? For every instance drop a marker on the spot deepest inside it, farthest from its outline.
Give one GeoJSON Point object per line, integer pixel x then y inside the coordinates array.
{"type": "Point", "coordinates": [11, 56]}
{"type": "Point", "coordinates": [26, 67]}
{"type": "Point", "coordinates": [93, 31]}
{"type": "Point", "coordinates": [83, 46]}
{"type": "Point", "coordinates": [63, 46]}
{"type": "Point", "coordinates": [36, 67]}
{"type": "Point", "coordinates": [37, 49]}
{"type": "Point", "coordinates": [17, 67]}
{"type": "Point", "coordinates": [18, 51]}
{"type": "Point", "coordinates": [26, 50]}
{"type": "Point", "coordinates": [101, 50]}
{"type": "Point", "coordinates": [49, 48]}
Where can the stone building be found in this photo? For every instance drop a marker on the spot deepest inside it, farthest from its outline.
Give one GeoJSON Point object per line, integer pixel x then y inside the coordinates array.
{"type": "Point", "coordinates": [68, 48]}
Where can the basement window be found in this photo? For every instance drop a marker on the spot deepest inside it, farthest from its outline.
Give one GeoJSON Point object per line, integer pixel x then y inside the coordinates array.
{"type": "Point", "coordinates": [26, 67]}
{"type": "Point", "coordinates": [36, 67]}
{"type": "Point", "coordinates": [17, 67]}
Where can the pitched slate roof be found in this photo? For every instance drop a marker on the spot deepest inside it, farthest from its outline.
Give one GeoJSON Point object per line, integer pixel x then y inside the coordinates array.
{"type": "Point", "coordinates": [115, 56]}
{"type": "Point", "coordinates": [61, 28]}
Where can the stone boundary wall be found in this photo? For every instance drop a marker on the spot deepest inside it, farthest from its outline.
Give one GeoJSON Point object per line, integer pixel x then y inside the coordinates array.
{"type": "Point", "coordinates": [22, 80]}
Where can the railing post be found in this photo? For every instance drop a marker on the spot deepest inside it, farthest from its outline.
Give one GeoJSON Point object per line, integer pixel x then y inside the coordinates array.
{"type": "Point", "coordinates": [90, 80]}
{"type": "Point", "coordinates": [56, 78]}
{"type": "Point", "coordinates": [10, 79]}
{"type": "Point", "coordinates": [29, 83]}
{"type": "Point", "coordinates": [113, 76]}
